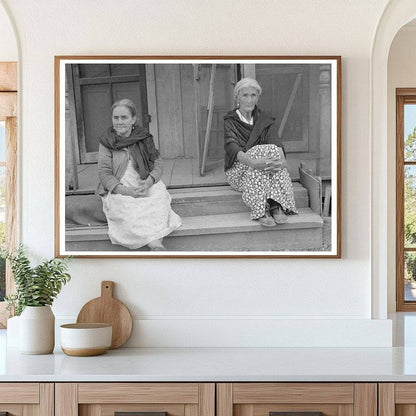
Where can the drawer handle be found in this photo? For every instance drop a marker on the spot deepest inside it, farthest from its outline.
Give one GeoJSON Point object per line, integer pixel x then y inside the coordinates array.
{"type": "Point", "coordinates": [139, 414]}
{"type": "Point", "coordinates": [296, 414]}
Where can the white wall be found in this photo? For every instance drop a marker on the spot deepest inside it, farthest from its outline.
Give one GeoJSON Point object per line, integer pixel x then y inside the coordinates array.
{"type": "Point", "coordinates": [401, 74]}
{"type": "Point", "coordinates": [8, 46]}
{"type": "Point", "coordinates": [211, 301]}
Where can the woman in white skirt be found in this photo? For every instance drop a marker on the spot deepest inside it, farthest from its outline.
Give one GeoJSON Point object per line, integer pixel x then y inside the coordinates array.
{"type": "Point", "coordinates": [135, 201]}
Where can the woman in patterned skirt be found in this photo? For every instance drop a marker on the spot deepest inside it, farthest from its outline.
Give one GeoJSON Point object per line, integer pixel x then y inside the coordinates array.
{"type": "Point", "coordinates": [254, 163]}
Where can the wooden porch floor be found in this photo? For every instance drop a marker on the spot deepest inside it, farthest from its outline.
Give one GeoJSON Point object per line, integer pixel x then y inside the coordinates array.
{"type": "Point", "coordinates": [176, 173]}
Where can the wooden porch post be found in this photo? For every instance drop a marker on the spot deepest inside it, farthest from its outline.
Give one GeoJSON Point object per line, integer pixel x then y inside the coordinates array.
{"type": "Point", "coordinates": [324, 162]}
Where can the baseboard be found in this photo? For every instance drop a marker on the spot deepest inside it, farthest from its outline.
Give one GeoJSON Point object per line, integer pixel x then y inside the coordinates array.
{"type": "Point", "coordinates": [259, 332]}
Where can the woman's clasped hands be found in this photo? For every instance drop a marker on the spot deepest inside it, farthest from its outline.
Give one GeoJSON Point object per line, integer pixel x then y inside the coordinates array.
{"type": "Point", "coordinates": [268, 164]}
{"type": "Point", "coordinates": [140, 190]}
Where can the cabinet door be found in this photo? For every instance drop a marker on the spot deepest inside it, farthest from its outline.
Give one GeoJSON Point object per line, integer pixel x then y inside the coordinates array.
{"type": "Point", "coordinates": [26, 399]}
{"type": "Point", "coordinates": [397, 399]}
{"type": "Point", "coordinates": [152, 399]}
{"type": "Point", "coordinates": [296, 399]}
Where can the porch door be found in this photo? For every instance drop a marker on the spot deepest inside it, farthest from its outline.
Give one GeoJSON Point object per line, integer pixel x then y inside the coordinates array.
{"type": "Point", "coordinates": [287, 94]}
{"type": "Point", "coordinates": [96, 87]}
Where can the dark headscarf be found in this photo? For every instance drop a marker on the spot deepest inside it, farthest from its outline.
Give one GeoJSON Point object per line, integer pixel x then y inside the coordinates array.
{"type": "Point", "coordinates": [140, 145]}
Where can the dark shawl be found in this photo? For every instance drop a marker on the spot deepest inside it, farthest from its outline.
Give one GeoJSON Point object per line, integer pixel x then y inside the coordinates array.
{"type": "Point", "coordinates": [140, 144]}
{"type": "Point", "coordinates": [240, 136]}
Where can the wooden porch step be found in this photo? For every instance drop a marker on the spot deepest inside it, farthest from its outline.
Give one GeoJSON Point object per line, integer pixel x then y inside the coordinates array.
{"type": "Point", "coordinates": [188, 202]}
{"type": "Point", "coordinates": [237, 232]}
{"type": "Point", "coordinates": [220, 232]}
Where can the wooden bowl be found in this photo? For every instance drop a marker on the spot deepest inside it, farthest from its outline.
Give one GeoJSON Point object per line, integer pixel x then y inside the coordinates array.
{"type": "Point", "coordinates": [84, 340]}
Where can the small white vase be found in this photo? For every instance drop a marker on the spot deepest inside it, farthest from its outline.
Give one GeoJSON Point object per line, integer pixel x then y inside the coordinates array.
{"type": "Point", "coordinates": [37, 330]}
{"type": "Point", "coordinates": [13, 331]}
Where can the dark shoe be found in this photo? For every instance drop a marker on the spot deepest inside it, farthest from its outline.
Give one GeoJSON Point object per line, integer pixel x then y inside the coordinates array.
{"type": "Point", "coordinates": [278, 216]}
{"type": "Point", "coordinates": [266, 220]}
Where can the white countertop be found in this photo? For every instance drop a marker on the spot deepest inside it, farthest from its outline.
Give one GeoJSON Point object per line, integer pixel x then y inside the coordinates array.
{"type": "Point", "coordinates": [214, 364]}
{"type": "Point", "coordinates": [222, 364]}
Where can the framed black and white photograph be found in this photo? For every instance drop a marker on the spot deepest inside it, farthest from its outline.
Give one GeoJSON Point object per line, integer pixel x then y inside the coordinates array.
{"type": "Point", "coordinates": [198, 156]}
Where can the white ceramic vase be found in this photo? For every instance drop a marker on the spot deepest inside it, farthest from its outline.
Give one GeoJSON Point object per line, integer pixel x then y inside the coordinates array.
{"type": "Point", "coordinates": [37, 330]}
{"type": "Point", "coordinates": [13, 331]}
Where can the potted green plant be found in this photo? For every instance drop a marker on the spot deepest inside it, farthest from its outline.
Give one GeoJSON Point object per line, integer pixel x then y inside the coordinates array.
{"type": "Point", "coordinates": [36, 289]}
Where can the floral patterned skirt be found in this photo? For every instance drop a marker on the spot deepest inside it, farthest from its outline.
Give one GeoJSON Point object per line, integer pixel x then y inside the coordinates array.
{"type": "Point", "coordinates": [257, 186]}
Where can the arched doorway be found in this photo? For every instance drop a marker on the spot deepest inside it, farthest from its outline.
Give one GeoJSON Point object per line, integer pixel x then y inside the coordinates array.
{"type": "Point", "coordinates": [396, 15]}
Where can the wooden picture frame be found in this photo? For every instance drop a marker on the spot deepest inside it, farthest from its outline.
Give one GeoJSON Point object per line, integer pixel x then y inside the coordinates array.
{"type": "Point", "coordinates": [182, 101]}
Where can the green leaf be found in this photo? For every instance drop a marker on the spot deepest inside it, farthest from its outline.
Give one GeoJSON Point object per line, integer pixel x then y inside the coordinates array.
{"type": "Point", "coordinates": [35, 286]}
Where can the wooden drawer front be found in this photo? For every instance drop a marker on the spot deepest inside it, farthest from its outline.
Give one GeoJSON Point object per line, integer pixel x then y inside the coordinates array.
{"type": "Point", "coordinates": [104, 399]}
{"type": "Point", "coordinates": [138, 393]}
{"type": "Point", "coordinates": [405, 393]}
{"type": "Point", "coordinates": [27, 399]}
{"type": "Point", "coordinates": [332, 399]}
{"type": "Point", "coordinates": [12, 409]}
{"type": "Point", "coordinates": [293, 393]}
{"type": "Point", "coordinates": [19, 393]}
{"type": "Point", "coordinates": [265, 409]}
{"type": "Point", "coordinates": [110, 409]}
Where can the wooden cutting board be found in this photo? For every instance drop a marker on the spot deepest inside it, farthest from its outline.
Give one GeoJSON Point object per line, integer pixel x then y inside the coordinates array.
{"type": "Point", "coordinates": [107, 309]}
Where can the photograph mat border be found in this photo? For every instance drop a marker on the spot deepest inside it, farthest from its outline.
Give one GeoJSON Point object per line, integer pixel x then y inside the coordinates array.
{"type": "Point", "coordinates": [60, 74]}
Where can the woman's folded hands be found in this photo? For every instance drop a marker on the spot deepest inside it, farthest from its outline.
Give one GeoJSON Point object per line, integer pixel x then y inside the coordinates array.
{"type": "Point", "coordinates": [140, 189]}
{"type": "Point", "coordinates": [268, 164]}
{"type": "Point", "coordinates": [137, 192]}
